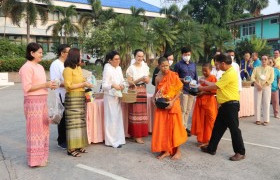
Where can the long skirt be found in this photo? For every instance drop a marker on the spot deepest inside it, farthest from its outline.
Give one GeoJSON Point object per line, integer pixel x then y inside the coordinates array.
{"type": "Point", "coordinates": [75, 120]}
{"type": "Point", "coordinates": [137, 115]}
{"type": "Point", "coordinates": [113, 121]}
{"type": "Point", "coordinates": [37, 129]}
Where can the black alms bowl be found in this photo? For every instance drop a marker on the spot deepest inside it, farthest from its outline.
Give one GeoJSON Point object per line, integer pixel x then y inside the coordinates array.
{"type": "Point", "coordinates": [162, 103]}
{"type": "Point", "coordinates": [193, 91]}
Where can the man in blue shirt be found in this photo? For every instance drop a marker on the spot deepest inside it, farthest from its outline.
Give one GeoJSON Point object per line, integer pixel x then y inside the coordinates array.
{"type": "Point", "coordinates": [185, 67]}
{"type": "Point", "coordinates": [257, 61]}
{"type": "Point", "coordinates": [245, 66]}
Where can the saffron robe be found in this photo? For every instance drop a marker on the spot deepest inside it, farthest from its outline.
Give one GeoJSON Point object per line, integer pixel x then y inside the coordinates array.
{"type": "Point", "coordinates": [204, 114]}
{"type": "Point", "coordinates": [168, 128]}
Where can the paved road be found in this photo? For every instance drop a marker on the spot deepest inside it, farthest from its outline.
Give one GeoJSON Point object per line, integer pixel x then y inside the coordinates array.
{"type": "Point", "coordinates": [135, 161]}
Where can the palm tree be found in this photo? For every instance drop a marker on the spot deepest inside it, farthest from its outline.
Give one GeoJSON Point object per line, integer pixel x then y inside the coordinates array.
{"type": "Point", "coordinates": [127, 33]}
{"type": "Point", "coordinates": [175, 14]}
{"type": "Point", "coordinates": [137, 11]}
{"type": "Point", "coordinates": [65, 25]}
{"type": "Point", "coordinates": [29, 11]}
{"type": "Point", "coordinates": [96, 16]}
{"type": "Point", "coordinates": [6, 9]}
{"type": "Point", "coordinates": [164, 32]}
{"type": "Point", "coordinates": [190, 35]}
{"type": "Point", "coordinates": [255, 6]}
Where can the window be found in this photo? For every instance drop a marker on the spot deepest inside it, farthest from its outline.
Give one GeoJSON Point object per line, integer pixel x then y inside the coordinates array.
{"type": "Point", "coordinates": [248, 29]}
{"type": "Point", "coordinates": [53, 16]}
{"type": "Point", "coordinates": [274, 21]}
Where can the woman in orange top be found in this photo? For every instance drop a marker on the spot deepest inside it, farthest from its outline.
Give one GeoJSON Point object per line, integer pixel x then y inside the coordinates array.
{"type": "Point", "coordinates": [168, 130]}
{"type": "Point", "coordinates": [205, 110]}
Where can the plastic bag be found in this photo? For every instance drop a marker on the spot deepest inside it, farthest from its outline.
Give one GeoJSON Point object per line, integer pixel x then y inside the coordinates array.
{"type": "Point", "coordinates": [55, 107]}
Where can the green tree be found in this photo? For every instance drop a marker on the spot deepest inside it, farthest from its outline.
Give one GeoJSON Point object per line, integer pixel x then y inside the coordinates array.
{"type": "Point", "coordinates": [255, 6]}
{"type": "Point", "coordinates": [65, 26]}
{"type": "Point", "coordinates": [96, 16]}
{"type": "Point", "coordinates": [190, 35]}
{"type": "Point", "coordinates": [137, 11]}
{"type": "Point", "coordinates": [127, 33]}
{"type": "Point", "coordinates": [253, 45]}
{"type": "Point", "coordinates": [29, 11]}
{"type": "Point", "coordinates": [100, 39]}
{"type": "Point", "coordinates": [164, 34]}
{"type": "Point", "coordinates": [175, 14]}
{"type": "Point", "coordinates": [217, 12]}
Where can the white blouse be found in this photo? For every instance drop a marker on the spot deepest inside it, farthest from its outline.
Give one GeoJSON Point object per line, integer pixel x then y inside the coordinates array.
{"type": "Point", "coordinates": [111, 75]}
{"type": "Point", "coordinates": [137, 72]}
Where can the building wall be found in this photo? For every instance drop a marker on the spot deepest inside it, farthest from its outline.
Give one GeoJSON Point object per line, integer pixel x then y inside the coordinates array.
{"type": "Point", "coordinates": [270, 31]}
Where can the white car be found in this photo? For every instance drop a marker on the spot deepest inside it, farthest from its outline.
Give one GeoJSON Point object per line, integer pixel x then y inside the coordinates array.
{"type": "Point", "coordinates": [92, 59]}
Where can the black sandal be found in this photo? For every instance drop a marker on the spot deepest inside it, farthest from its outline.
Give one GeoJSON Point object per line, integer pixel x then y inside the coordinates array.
{"type": "Point", "coordinates": [82, 150]}
{"type": "Point", "coordinates": [73, 153]}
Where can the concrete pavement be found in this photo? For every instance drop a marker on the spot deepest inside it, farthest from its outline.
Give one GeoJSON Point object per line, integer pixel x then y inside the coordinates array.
{"type": "Point", "coordinates": [135, 161]}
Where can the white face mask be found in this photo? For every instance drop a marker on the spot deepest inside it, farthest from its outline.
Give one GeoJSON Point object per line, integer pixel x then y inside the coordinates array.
{"type": "Point", "coordinates": [170, 62]}
{"type": "Point", "coordinates": [232, 58]}
{"type": "Point", "coordinates": [186, 58]}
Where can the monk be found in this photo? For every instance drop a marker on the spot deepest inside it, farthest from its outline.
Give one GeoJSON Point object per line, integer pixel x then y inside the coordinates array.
{"type": "Point", "coordinates": [205, 110]}
{"type": "Point", "coordinates": [168, 130]}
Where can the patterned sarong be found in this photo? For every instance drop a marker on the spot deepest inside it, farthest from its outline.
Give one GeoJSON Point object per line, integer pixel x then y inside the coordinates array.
{"type": "Point", "coordinates": [75, 119]}
{"type": "Point", "coordinates": [137, 115]}
{"type": "Point", "coordinates": [37, 129]}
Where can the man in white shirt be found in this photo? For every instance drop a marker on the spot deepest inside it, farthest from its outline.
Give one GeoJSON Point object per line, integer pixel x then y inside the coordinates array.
{"type": "Point", "coordinates": [231, 53]}
{"type": "Point", "coordinates": [56, 73]}
{"type": "Point", "coordinates": [216, 71]}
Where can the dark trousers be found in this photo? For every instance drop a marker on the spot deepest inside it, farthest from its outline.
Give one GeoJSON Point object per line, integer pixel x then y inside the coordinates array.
{"type": "Point", "coordinates": [61, 130]}
{"type": "Point", "coordinates": [227, 118]}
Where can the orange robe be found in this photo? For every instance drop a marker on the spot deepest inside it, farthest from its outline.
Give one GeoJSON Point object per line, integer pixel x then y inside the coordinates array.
{"type": "Point", "coordinates": [204, 114]}
{"type": "Point", "coordinates": [168, 129]}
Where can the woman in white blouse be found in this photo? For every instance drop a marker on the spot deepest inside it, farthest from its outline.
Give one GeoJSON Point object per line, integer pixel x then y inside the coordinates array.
{"type": "Point", "coordinates": [112, 86]}
{"type": "Point", "coordinates": [138, 76]}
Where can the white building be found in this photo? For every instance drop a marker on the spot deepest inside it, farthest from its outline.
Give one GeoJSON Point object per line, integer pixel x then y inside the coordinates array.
{"type": "Point", "coordinates": [40, 35]}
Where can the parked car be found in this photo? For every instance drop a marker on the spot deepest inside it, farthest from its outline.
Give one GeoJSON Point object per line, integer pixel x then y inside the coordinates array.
{"type": "Point", "coordinates": [92, 59]}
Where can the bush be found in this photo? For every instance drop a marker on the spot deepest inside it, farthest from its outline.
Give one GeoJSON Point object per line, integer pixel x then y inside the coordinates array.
{"type": "Point", "coordinates": [46, 64]}
{"type": "Point", "coordinates": [9, 49]}
{"type": "Point", "coordinates": [14, 64]}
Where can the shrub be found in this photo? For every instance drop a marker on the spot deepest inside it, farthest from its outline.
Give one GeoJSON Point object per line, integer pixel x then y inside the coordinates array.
{"type": "Point", "coordinates": [14, 64]}
{"type": "Point", "coordinates": [10, 49]}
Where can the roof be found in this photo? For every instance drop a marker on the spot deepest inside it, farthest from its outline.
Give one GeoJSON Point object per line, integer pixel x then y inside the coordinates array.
{"type": "Point", "coordinates": [125, 4]}
{"type": "Point", "coordinates": [253, 19]}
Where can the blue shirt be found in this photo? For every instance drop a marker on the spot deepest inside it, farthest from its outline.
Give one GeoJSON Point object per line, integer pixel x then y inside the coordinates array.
{"type": "Point", "coordinates": [248, 68]}
{"type": "Point", "coordinates": [183, 69]}
{"type": "Point", "coordinates": [257, 63]}
{"type": "Point", "coordinates": [274, 85]}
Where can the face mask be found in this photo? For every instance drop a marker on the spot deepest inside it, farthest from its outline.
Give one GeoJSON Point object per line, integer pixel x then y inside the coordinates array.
{"type": "Point", "coordinates": [232, 58]}
{"type": "Point", "coordinates": [186, 58]}
{"type": "Point", "coordinates": [170, 62]}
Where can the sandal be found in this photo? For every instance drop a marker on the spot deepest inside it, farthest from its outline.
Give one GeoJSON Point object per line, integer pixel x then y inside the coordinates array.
{"type": "Point", "coordinates": [82, 150]}
{"type": "Point", "coordinates": [265, 123]}
{"type": "Point", "coordinates": [73, 153]}
{"type": "Point", "coordinates": [258, 122]}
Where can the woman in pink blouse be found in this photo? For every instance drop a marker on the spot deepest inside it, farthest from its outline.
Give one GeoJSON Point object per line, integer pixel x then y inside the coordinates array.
{"type": "Point", "coordinates": [34, 84]}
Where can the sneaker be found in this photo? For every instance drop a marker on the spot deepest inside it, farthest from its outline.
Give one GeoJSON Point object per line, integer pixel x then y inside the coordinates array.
{"type": "Point", "coordinates": [62, 145]}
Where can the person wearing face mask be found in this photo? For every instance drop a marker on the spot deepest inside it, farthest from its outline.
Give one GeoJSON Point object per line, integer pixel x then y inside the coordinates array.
{"type": "Point", "coordinates": [169, 56]}
{"type": "Point", "coordinates": [231, 53]}
{"type": "Point", "coordinates": [185, 68]}
{"type": "Point", "coordinates": [246, 69]}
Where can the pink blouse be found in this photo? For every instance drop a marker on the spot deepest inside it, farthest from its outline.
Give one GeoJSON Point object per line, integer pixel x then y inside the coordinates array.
{"type": "Point", "coordinates": [32, 74]}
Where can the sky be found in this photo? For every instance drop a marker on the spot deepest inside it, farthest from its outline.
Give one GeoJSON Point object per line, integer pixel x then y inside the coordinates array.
{"type": "Point", "coordinates": [273, 7]}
